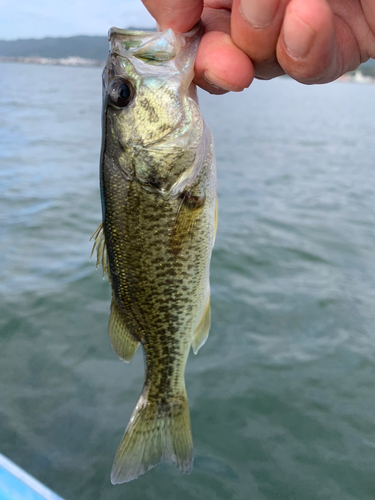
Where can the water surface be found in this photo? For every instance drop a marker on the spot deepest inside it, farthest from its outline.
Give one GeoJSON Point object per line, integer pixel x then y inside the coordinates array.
{"type": "Point", "coordinates": [282, 395]}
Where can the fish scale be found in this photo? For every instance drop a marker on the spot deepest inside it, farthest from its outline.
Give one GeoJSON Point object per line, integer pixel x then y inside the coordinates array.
{"type": "Point", "coordinates": [158, 188]}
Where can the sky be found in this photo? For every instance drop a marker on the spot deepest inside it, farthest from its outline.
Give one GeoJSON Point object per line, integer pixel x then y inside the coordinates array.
{"type": "Point", "coordinates": [40, 18]}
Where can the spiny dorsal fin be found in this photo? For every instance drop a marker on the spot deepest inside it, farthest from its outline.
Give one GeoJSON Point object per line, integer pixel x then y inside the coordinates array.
{"type": "Point", "coordinates": [101, 249]}
{"type": "Point", "coordinates": [123, 342]}
{"type": "Point", "coordinates": [201, 333]}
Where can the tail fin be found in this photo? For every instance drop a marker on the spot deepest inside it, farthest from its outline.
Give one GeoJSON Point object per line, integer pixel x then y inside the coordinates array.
{"type": "Point", "coordinates": [155, 433]}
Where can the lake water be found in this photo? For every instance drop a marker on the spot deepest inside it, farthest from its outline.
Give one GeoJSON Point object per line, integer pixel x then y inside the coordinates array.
{"type": "Point", "coordinates": [282, 396]}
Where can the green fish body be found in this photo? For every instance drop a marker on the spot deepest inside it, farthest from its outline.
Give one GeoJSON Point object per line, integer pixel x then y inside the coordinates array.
{"type": "Point", "coordinates": [158, 189]}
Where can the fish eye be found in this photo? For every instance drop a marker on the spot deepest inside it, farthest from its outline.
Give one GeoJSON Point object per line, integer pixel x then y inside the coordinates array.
{"type": "Point", "coordinates": [120, 92]}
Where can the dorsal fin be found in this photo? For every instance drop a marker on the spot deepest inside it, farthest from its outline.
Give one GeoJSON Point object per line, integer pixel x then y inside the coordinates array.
{"type": "Point", "coordinates": [101, 249]}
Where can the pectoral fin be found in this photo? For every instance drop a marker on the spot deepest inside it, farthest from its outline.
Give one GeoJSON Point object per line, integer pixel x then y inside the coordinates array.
{"type": "Point", "coordinates": [123, 342]}
{"type": "Point", "coordinates": [201, 333]}
{"type": "Point", "coordinates": [189, 212]}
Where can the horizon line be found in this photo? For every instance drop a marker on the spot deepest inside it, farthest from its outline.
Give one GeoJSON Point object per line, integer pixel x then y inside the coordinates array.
{"type": "Point", "coordinates": [143, 28]}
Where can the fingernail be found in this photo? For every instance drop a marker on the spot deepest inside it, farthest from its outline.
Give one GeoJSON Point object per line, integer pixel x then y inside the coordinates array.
{"type": "Point", "coordinates": [298, 36]}
{"type": "Point", "coordinates": [259, 13]}
{"type": "Point", "coordinates": [219, 84]}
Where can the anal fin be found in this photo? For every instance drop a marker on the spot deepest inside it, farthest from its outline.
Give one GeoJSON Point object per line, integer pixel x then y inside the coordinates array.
{"type": "Point", "coordinates": [123, 342]}
{"type": "Point", "coordinates": [201, 333]}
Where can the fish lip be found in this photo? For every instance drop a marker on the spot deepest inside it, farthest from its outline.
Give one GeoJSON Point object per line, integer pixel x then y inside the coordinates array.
{"type": "Point", "coordinates": [198, 27]}
{"type": "Point", "coordinates": [119, 31]}
{"type": "Point", "coordinates": [159, 139]}
{"type": "Point", "coordinates": [162, 138]}
{"type": "Point", "coordinates": [124, 146]}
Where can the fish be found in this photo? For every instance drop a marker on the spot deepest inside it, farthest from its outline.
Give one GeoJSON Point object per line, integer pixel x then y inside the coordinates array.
{"type": "Point", "coordinates": [159, 219]}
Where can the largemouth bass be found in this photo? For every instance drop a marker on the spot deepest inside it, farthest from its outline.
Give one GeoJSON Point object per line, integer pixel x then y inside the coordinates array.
{"type": "Point", "coordinates": [158, 190]}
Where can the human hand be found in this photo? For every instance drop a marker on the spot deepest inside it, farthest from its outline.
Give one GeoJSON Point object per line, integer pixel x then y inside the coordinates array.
{"type": "Point", "coordinates": [313, 41]}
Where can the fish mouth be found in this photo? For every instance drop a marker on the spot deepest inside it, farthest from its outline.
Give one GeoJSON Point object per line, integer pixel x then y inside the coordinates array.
{"type": "Point", "coordinates": [164, 137]}
{"type": "Point", "coordinates": [175, 50]}
{"type": "Point", "coordinates": [150, 33]}
{"type": "Point", "coordinates": [152, 45]}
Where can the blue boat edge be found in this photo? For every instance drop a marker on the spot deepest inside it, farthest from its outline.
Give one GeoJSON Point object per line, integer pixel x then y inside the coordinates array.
{"type": "Point", "coordinates": [17, 484]}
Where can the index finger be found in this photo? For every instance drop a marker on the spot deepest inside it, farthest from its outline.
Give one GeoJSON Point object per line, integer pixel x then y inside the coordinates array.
{"type": "Point", "coordinates": [180, 15]}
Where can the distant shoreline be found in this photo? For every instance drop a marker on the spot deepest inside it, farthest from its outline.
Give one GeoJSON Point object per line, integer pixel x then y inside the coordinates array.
{"type": "Point", "coordinates": [357, 77]}
{"type": "Point", "coordinates": [353, 77]}
{"type": "Point", "coordinates": [48, 61]}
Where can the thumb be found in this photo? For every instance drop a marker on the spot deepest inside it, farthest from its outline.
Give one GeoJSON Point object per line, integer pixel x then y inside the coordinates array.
{"type": "Point", "coordinates": [315, 46]}
{"type": "Point", "coordinates": [180, 15]}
